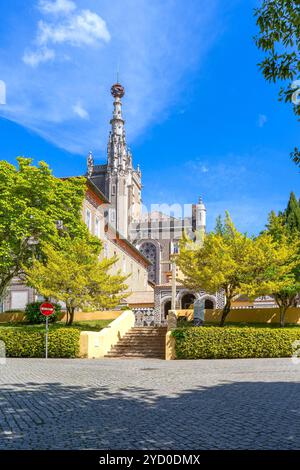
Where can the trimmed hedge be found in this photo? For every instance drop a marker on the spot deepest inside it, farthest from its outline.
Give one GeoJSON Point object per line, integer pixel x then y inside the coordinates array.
{"type": "Point", "coordinates": [22, 342]}
{"type": "Point", "coordinates": [230, 343]}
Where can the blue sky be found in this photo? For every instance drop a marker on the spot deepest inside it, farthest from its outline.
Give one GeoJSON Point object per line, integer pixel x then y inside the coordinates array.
{"type": "Point", "coordinates": [200, 118]}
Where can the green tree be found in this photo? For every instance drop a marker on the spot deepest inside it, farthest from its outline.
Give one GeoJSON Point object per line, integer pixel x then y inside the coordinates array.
{"type": "Point", "coordinates": [227, 260]}
{"type": "Point", "coordinates": [75, 276]}
{"type": "Point", "coordinates": [280, 277]}
{"type": "Point", "coordinates": [275, 225]}
{"type": "Point", "coordinates": [292, 215]}
{"type": "Point", "coordinates": [279, 39]}
{"type": "Point", "coordinates": [32, 205]}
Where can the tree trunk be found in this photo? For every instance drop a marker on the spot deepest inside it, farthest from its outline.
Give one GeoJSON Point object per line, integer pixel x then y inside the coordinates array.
{"type": "Point", "coordinates": [71, 315]}
{"type": "Point", "coordinates": [283, 308]}
{"type": "Point", "coordinates": [225, 311]}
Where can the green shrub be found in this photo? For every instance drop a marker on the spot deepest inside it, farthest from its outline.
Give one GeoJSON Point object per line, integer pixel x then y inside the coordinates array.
{"type": "Point", "coordinates": [33, 314]}
{"type": "Point", "coordinates": [25, 342]}
{"type": "Point", "coordinates": [218, 343]}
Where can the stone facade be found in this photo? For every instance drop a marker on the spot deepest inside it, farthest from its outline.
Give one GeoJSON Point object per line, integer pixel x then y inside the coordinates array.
{"type": "Point", "coordinates": [143, 243]}
{"type": "Point", "coordinates": [156, 233]}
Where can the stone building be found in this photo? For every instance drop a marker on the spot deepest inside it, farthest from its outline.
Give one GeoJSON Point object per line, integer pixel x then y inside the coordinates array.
{"type": "Point", "coordinates": [130, 261]}
{"type": "Point", "coordinates": [143, 242]}
{"type": "Point", "coordinates": [154, 234]}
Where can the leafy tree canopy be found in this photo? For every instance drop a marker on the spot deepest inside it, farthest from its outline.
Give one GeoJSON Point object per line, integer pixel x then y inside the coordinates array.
{"type": "Point", "coordinates": [279, 38]}
{"type": "Point", "coordinates": [35, 207]}
{"type": "Point", "coordinates": [227, 260]}
{"type": "Point", "coordinates": [282, 276]}
{"type": "Point", "coordinates": [75, 276]}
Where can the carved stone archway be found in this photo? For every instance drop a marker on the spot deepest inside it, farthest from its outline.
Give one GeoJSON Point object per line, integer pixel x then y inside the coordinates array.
{"type": "Point", "coordinates": [151, 250]}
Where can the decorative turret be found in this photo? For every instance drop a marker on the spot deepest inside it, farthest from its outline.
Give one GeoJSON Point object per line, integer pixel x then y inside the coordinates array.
{"type": "Point", "coordinates": [199, 219]}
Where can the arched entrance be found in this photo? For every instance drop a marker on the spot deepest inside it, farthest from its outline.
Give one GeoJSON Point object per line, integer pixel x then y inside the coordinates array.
{"type": "Point", "coordinates": [187, 300]}
{"type": "Point", "coordinates": [167, 307]}
{"type": "Point", "coordinates": [208, 304]}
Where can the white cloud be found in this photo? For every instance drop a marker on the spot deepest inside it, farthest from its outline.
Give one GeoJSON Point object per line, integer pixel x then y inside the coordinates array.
{"type": "Point", "coordinates": [80, 111]}
{"type": "Point", "coordinates": [262, 119]}
{"type": "Point", "coordinates": [56, 6]}
{"type": "Point", "coordinates": [160, 47]}
{"type": "Point", "coordinates": [197, 166]}
{"type": "Point", "coordinates": [34, 58]}
{"type": "Point", "coordinates": [86, 28]}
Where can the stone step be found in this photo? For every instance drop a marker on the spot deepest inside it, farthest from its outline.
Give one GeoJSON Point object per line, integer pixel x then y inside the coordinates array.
{"type": "Point", "coordinates": [148, 328]}
{"type": "Point", "coordinates": [125, 348]}
{"type": "Point", "coordinates": [141, 342]}
{"type": "Point", "coordinates": [140, 345]}
{"type": "Point", "coordinates": [137, 355]}
{"type": "Point", "coordinates": [143, 335]}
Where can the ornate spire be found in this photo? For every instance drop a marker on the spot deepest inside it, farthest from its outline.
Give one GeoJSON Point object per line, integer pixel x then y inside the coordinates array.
{"type": "Point", "coordinates": [90, 164]}
{"type": "Point", "coordinates": [119, 157]}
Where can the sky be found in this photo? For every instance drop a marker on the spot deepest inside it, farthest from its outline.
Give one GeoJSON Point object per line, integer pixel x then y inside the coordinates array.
{"type": "Point", "coordinates": [200, 118]}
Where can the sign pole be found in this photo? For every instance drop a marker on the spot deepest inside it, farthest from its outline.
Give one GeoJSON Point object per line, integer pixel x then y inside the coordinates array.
{"type": "Point", "coordinates": [47, 309]}
{"type": "Point", "coordinates": [47, 320]}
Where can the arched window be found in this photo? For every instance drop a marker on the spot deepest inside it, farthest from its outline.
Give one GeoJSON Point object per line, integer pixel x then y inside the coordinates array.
{"type": "Point", "coordinates": [187, 300]}
{"type": "Point", "coordinates": [149, 250]}
{"type": "Point", "coordinates": [208, 304]}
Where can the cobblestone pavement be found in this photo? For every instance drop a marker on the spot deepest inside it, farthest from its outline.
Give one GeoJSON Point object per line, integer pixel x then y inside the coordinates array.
{"type": "Point", "coordinates": [149, 404]}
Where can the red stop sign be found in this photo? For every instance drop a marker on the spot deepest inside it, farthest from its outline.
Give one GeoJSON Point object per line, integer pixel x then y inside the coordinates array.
{"type": "Point", "coordinates": [46, 309]}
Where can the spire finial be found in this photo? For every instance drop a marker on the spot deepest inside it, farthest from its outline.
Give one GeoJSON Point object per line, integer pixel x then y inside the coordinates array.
{"type": "Point", "coordinates": [118, 71]}
{"type": "Point", "coordinates": [117, 90]}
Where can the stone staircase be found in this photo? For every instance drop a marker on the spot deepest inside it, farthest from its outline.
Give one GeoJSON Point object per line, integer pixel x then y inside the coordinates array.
{"type": "Point", "coordinates": [141, 342]}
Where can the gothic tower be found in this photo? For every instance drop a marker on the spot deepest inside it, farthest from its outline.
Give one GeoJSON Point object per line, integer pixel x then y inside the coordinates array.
{"type": "Point", "coordinates": [122, 182]}
{"type": "Point", "coordinates": [119, 181]}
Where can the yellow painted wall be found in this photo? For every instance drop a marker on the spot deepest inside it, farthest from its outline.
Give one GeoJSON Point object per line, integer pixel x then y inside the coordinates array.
{"type": "Point", "coordinates": [138, 274]}
{"type": "Point", "coordinates": [170, 352]}
{"type": "Point", "coordinates": [94, 345]}
{"type": "Point", "coordinates": [13, 317]}
{"type": "Point", "coordinates": [79, 316]}
{"type": "Point", "coordinates": [101, 315]}
{"type": "Point", "coordinates": [247, 315]}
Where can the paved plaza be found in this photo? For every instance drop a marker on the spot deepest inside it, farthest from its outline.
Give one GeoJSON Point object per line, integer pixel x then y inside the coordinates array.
{"type": "Point", "coordinates": [149, 404]}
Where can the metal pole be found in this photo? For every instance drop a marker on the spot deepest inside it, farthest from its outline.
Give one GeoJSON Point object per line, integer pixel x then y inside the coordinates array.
{"type": "Point", "coordinates": [173, 303]}
{"type": "Point", "coordinates": [46, 337]}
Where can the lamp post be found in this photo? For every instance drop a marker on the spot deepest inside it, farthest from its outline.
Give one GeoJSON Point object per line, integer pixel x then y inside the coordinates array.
{"type": "Point", "coordinates": [173, 302]}
{"type": "Point", "coordinates": [172, 261]}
